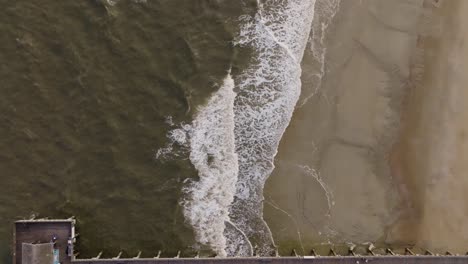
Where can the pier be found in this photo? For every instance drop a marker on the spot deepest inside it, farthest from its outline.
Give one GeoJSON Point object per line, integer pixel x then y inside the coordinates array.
{"type": "Point", "coordinates": [34, 239]}
{"type": "Point", "coordinates": [47, 241]}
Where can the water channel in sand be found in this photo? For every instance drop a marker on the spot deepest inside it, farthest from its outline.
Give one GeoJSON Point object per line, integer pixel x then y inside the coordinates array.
{"type": "Point", "coordinates": [375, 153]}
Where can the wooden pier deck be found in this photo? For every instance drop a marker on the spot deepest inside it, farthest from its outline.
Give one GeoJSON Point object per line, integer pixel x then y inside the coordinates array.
{"type": "Point", "coordinates": [42, 231]}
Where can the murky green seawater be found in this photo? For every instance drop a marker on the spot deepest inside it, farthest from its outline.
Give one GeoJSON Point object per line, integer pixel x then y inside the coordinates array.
{"type": "Point", "coordinates": [85, 89]}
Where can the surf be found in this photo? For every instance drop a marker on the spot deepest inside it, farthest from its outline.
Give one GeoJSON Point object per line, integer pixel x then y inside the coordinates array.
{"type": "Point", "coordinates": [234, 137]}
{"type": "Point", "coordinates": [212, 153]}
{"type": "Point", "coordinates": [268, 92]}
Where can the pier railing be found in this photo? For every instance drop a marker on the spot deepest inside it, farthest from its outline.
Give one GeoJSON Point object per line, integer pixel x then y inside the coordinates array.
{"type": "Point", "coordinates": [289, 260]}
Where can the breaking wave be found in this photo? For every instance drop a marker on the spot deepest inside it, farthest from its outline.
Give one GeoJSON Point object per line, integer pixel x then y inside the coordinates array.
{"type": "Point", "coordinates": [212, 152]}
{"type": "Point", "coordinates": [268, 92]}
{"type": "Point", "coordinates": [233, 139]}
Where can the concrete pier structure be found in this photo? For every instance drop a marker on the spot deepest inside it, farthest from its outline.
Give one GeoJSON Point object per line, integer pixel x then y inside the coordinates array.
{"type": "Point", "coordinates": [28, 233]}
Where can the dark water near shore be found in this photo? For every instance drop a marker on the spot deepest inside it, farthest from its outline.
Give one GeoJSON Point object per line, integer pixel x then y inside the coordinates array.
{"type": "Point", "coordinates": [86, 88]}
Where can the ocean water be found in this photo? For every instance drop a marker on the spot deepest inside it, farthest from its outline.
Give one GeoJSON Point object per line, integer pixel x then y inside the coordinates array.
{"type": "Point", "coordinates": [154, 123]}
{"type": "Point", "coordinates": [90, 90]}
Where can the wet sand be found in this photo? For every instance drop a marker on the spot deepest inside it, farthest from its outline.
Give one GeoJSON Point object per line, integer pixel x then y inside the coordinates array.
{"type": "Point", "coordinates": [347, 171]}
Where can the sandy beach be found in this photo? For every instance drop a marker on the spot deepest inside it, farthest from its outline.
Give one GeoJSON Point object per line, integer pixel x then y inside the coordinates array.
{"type": "Point", "coordinates": [375, 152]}
{"type": "Point", "coordinates": [433, 148]}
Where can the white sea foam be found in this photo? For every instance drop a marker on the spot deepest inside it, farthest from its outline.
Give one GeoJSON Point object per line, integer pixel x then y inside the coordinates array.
{"type": "Point", "coordinates": [114, 2]}
{"type": "Point", "coordinates": [326, 11]}
{"type": "Point", "coordinates": [268, 92]}
{"type": "Point", "coordinates": [111, 2]}
{"type": "Point", "coordinates": [250, 125]}
{"type": "Point", "coordinates": [237, 241]}
{"type": "Point", "coordinates": [327, 191]}
{"type": "Point", "coordinates": [211, 143]}
{"type": "Point", "coordinates": [212, 152]}
{"type": "Point", "coordinates": [178, 136]}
